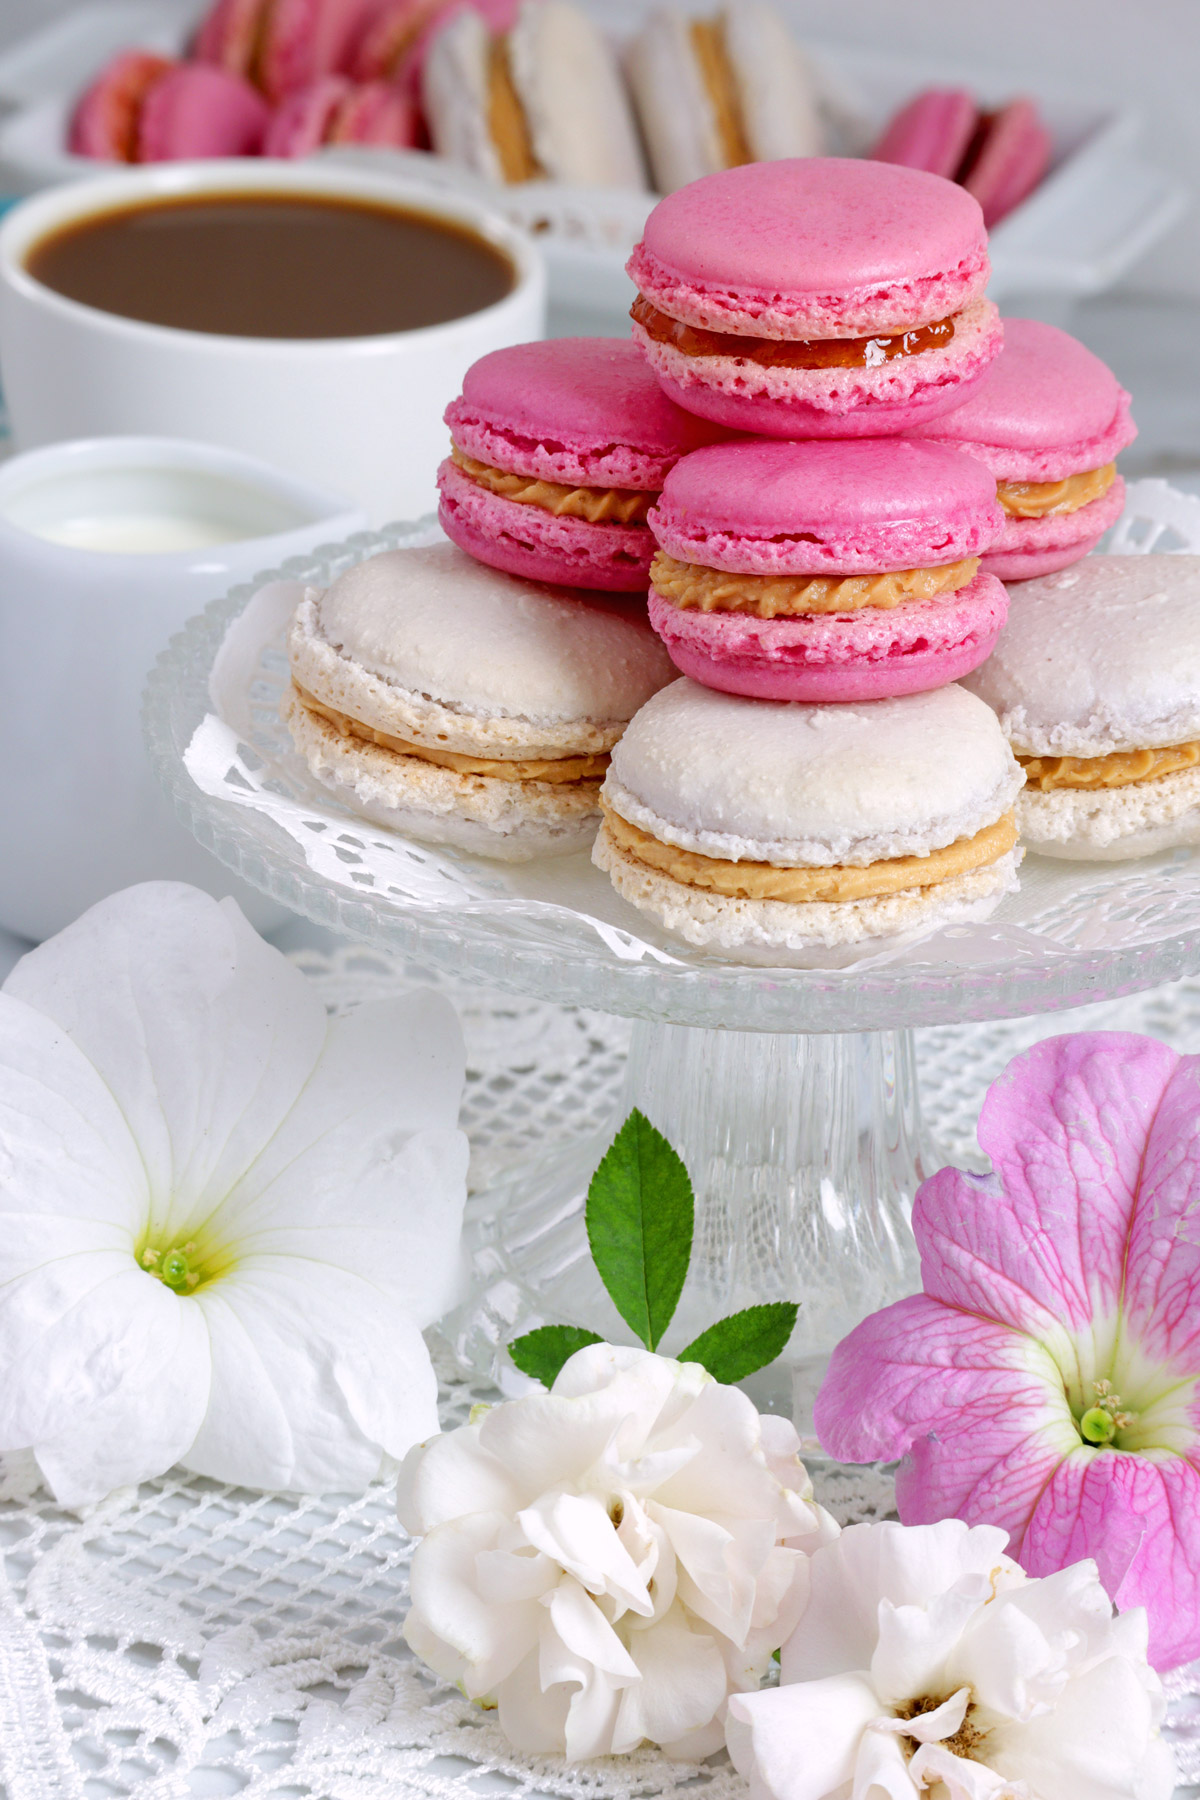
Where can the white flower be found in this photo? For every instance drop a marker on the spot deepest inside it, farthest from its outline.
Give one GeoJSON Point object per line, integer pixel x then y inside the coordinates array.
{"type": "Point", "coordinates": [927, 1660]}
{"type": "Point", "coordinates": [606, 1562]}
{"type": "Point", "coordinates": [223, 1219]}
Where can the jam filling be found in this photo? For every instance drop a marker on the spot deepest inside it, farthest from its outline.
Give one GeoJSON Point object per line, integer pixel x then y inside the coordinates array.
{"type": "Point", "coordinates": [789, 353]}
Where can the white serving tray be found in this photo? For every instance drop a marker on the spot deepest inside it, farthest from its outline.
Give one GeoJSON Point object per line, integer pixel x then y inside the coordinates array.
{"type": "Point", "coordinates": [1095, 214]}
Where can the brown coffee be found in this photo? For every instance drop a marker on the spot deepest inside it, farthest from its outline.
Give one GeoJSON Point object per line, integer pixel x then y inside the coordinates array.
{"type": "Point", "coordinates": [273, 266]}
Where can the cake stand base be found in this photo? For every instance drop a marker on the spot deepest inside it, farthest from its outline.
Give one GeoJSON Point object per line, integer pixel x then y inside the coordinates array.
{"type": "Point", "coordinates": [805, 1152]}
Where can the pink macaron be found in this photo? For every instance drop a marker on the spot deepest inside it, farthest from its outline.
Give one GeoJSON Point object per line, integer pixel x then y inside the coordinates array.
{"type": "Point", "coordinates": [999, 157]}
{"type": "Point", "coordinates": [104, 123]}
{"type": "Point", "coordinates": [282, 45]}
{"type": "Point", "coordinates": [559, 449]}
{"type": "Point", "coordinates": [816, 297]}
{"type": "Point", "coordinates": [1048, 422]}
{"type": "Point", "coordinates": [826, 571]}
{"type": "Point", "coordinates": [194, 110]}
{"type": "Point", "coordinates": [335, 110]}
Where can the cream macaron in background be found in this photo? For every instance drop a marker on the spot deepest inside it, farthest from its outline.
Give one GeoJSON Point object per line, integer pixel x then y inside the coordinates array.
{"type": "Point", "coordinates": [780, 832]}
{"type": "Point", "coordinates": [714, 93]}
{"type": "Point", "coordinates": [464, 706]}
{"type": "Point", "coordinates": [1096, 684]}
{"type": "Point", "coordinates": [544, 99]}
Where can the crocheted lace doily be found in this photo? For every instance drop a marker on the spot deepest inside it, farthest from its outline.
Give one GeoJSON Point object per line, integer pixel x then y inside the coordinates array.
{"type": "Point", "coordinates": [186, 1638]}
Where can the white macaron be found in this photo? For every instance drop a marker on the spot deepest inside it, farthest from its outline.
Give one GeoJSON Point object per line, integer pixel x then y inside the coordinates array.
{"type": "Point", "coordinates": [464, 706]}
{"type": "Point", "coordinates": [1095, 680]}
{"type": "Point", "coordinates": [711, 93]}
{"type": "Point", "coordinates": [544, 99]}
{"type": "Point", "coordinates": [766, 830]}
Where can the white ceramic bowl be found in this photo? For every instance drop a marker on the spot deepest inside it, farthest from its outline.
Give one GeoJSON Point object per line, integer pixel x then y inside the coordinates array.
{"type": "Point", "coordinates": [80, 811]}
{"type": "Point", "coordinates": [362, 416]}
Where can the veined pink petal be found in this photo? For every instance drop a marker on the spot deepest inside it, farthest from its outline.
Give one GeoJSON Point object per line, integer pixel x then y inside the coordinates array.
{"type": "Point", "coordinates": [1162, 1275]}
{"type": "Point", "coordinates": [1067, 1127]}
{"type": "Point", "coordinates": [1139, 1518]}
{"type": "Point", "coordinates": [977, 1406]}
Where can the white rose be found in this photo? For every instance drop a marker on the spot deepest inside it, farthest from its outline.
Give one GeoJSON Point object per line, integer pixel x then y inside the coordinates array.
{"type": "Point", "coordinates": [608, 1561]}
{"type": "Point", "coordinates": [927, 1660]}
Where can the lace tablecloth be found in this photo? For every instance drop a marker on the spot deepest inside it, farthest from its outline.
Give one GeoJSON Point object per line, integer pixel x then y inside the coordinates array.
{"type": "Point", "coordinates": [186, 1638]}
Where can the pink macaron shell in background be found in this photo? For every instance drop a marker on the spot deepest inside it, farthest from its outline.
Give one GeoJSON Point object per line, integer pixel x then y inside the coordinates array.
{"type": "Point", "coordinates": [105, 121]}
{"type": "Point", "coordinates": [300, 124]}
{"type": "Point", "coordinates": [574, 410]}
{"type": "Point", "coordinates": [1028, 547]}
{"type": "Point", "coordinates": [1014, 156]}
{"type": "Point", "coordinates": [228, 34]}
{"type": "Point", "coordinates": [813, 247]}
{"type": "Point", "coordinates": [871, 654]}
{"type": "Point", "coordinates": [377, 112]}
{"type": "Point", "coordinates": [1046, 409]}
{"type": "Point", "coordinates": [533, 542]}
{"type": "Point", "coordinates": [198, 110]}
{"type": "Point", "coordinates": [859, 506]}
{"type": "Point", "coordinates": [895, 397]}
{"type": "Point", "coordinates": [303, 39]}
{"type": "Point", "coordinates": [388, 36]}
{"type": "Point", "coordinates": [932, 132]}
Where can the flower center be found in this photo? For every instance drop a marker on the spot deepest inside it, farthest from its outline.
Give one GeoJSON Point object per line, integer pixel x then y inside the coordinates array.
{"type": "Point", "coordinates": [1103, 1420]}
{"type": "Point", "coordinates": [184, 1268]}
{"type": "Point", "coordinates": [966, 1740]}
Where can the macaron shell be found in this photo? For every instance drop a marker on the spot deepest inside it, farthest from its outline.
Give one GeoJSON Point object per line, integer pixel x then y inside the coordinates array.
{"type": "Point", "coordinates": [1015, 155]}
{"type": "Point", "coordinates": [303, 39]}
{"type": "Point", "coordinates": [198, 110]}
{"type": "Point", "coordinates": [531, 542]}
{"type": "Point", "coordinates": [813, 247]}
{"type": "Point", "coordinates": [229, 33]}
{"type": "Point", "coordinates": [300, 124]}
{"type": "Point", "coordinates": [894, 397]}
{"type": "Point", "coordinates": [105, 121]}
{"type": "Point", "coordinates": [388, 35]}
{"type": "Point", "coordinates": [1029, 547]}
{"type": "Point", "coordinates": [576, 109]}
{"type": "Point", "coordinates": [776, 94]}
{"type": "Point", "coordinates": [932, 132]}
{"type": "Point", "coordinates": [1047, 409]}
{"type": "Point", "coordinates": [377, 112]}
{"type": "Point", "coordinates": [871, 654]}
{"type": "Point", "coordinates": [673, 105]}
{"type": "Point", "coordinates": [768, 508]}
{"type": "Point", "coordinates": [585, 410]}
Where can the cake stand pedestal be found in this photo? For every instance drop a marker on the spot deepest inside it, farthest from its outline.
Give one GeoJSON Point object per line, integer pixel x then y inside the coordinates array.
{"type": "Point", "coordinates": [791, 1094]}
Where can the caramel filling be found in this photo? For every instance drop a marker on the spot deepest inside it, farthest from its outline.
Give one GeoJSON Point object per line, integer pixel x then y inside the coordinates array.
{"type": "Point", "coordinates": [1036, 499]}
{"type": "Point", "coordinates": [599, 506]}
{"type": "Point", "coordinates": [506, 119]}
{"type": "Point", "coordinates": [689, 586]}
{"type": "Point", "coordinates": [789, 353]}
{"type": "Point", "coordinates": [1121, 769]}
{"type": "Point", "coordinates": [708, 44]}
{"type": "Point", "coordinates": [559, 770]}
{"type": "Point", "coordinates": [766, 881]}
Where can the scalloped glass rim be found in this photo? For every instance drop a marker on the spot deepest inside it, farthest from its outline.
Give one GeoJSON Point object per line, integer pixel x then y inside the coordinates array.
{"type": "Point", "coordinates": [512, 955]}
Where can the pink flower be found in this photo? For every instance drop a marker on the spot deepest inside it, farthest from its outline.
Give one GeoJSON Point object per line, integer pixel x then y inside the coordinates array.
{"type": "Point", "coordinates": [1047, 1379]}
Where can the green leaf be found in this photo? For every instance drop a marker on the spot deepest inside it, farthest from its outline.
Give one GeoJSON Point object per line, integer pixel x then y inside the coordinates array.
{"type": "Point", "coordinates": [735, 1347]}
{"type": "Point", "coordinates": [543, 1352]}
{"type": "Point", "coordinates": [640, 1215]}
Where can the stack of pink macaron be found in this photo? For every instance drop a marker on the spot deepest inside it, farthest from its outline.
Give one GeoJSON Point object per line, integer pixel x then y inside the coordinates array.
{"type": "Point", "coordinates": [819, 457]}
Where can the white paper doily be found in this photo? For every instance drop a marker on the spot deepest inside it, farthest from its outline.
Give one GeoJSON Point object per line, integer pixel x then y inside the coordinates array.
{"type": "Point", "coordinates": [188, 1639]}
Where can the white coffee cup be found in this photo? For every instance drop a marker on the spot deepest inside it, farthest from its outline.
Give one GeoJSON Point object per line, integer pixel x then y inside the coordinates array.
{"type": "Point", "coordinates": [360, 415]}
{"type": "Point", "coordinates": [89, 596]}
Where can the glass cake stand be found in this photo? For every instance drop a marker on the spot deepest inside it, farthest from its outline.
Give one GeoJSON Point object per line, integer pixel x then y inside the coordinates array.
{"type": "Point", "coordinates": [790, 1093]}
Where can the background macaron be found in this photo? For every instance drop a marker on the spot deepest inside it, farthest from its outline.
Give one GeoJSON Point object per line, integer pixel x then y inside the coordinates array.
{"type": "Point", "coordinates": [147, 108]}
{"type": "Point", "coordinates": [767, 831]}
{"type": "Point", "coordinates": [559, 448]}
{"type": "Point", "coordinates": [1096, 684]}
{"type": "Point", "coordinates": [825, 571]}
{"type": "Point", "coordinates": [816, 297]}
{"type": "Point", "coordinates": [1048, 419]}
{"type": "Point", "coordinates": [441, 698]}
{"type": "Point", "coordinates": [713, 93]}
{"type": "Point", "coordinates": [999, 156]}
{"type": "Point", "coordinates": [544, 99]}
{"type": "Point", "coordinates": [281, 45]}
